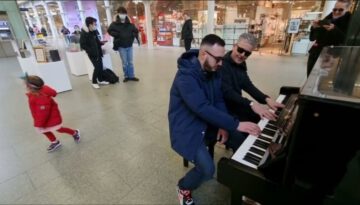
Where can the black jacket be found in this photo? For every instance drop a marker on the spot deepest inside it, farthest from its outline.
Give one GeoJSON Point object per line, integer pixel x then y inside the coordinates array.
{"type": "Point", "coordinates": [123, 33]}
{"type": "Point", "coordinates": [334, 37]}
{"type": "Point", "coordinates": [235, 79]}
{"type": "Point", "coordinates": [186, 31]}
{"type": "Point", "coordinates": [90, 42]}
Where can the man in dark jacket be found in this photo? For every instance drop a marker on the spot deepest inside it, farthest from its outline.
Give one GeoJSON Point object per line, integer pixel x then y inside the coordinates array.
{"type": "Point", "coordinates": [90, 42]}
{"type": "Point", "coordinates": [235, 80]}
{"type": "Point", "coordinates": [124, 34]}
{"type": "Point", "coordinates": [186, 32]}
{"type": "Point", "coordinates": [197, 110]}
{"type": "Point", "coordinates": [330, 31]}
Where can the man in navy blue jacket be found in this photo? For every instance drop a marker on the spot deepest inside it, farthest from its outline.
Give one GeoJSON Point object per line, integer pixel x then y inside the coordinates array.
{"type": "Point", "coordinates": [197, 109]}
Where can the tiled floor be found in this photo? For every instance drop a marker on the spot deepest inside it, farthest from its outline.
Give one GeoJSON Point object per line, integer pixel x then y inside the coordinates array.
{"type": "Point", "coordinates": [124, 156]}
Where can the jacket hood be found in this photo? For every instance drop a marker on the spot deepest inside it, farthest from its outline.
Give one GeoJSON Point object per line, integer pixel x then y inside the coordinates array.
{"type": "Point", "coordinates": [228, 58]}
{"type": "Point", "coordinates": [189, 62]}
{"type": "Point", "coordinates": [85, 28]}
{"type": "Point", "coordinates": [48, 91]}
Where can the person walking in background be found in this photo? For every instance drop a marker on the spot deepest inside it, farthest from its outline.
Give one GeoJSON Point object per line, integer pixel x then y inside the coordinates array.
{"type": "Point", "coordinates": [331, 31]}
{"type": "Point", "coordinates": [90, 42]}
{"type": "Point", "coordinates": [45, 111]}
{"type": "Point", "coordinates": [186, 32]}
{"type": "Point", "coordinates": [197, 113]}
{"type": "Point", "coordinates": [124, 33]}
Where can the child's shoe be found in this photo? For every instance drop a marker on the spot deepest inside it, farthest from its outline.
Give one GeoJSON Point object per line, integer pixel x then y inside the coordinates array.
{"type": "Point", "coordinates": [53, 146]}
{"type": "Point", "coordinates": [76, 136]}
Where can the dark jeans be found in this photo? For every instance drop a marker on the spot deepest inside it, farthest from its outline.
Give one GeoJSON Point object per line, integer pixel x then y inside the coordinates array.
{"type": "Point", "coordinates": [98, 69]}
{"type": "Point", "coordinates": [313, 56]}
{"type": "Point", "coordinates": [204, 170]}
{"type": "Point", "coordinates": [187, 43]}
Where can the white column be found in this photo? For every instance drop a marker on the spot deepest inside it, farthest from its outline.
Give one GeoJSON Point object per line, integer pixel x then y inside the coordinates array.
{"type": "Point", "coordinates": [81, 11]}
{"type": "Point", "coordinates": [211, 13]}
{"type": "Point", "coordinates": [108, 12]}
{"type": "Point", "coordinates": [50, 20]}
{"type": "Point", "coordinates": [329, 5]}
{"type": "Point", "coordinates": [149, 33]}
{"type": "Point", "coordinates": [62, 13]}
{"type": "Point", "coordinates": [36, 15]}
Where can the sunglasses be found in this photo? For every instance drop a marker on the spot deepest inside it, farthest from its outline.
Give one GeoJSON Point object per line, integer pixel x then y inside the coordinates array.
{"type": "Point", "coordinates": [217, 58]}
{"type": "Point", "coordinates": [241, 50]}
{"type": "Point", "coordinates": [338, 10]}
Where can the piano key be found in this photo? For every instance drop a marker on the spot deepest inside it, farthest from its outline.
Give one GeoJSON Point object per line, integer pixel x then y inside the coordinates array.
{"type": "Point", "coordinates": [265, 138]}
{"type": "Point", "coordinates": [257, 151]}
{"type": "Point", "coordinates": [272, 127]}
{"type": "Point", "coordinates": [268, 132]}
{"type": "Point", "coordinates": [271, 122]}
{"type": "Point", "coordinates": [251, 160]}
{"type": "Point", "coordinates": [253, 156]}
{"type": "Point", "coordinates": [261, 144]}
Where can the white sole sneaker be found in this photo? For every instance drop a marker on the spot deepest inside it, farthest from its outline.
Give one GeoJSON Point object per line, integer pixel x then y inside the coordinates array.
{"type": "Point", "coordinates": [103, 83]}
{"type": "Point", "coordinates": [96, 86]}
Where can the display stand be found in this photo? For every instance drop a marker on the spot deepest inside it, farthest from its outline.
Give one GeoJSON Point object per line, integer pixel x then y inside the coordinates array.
{"type": "Point", "coordinates": [54, 74]}
{"type": "Point", "coordinates": [77, 62]}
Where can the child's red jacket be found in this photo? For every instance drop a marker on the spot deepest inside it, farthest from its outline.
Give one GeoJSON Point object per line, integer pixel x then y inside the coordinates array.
{"type": "Point", "coordinates": [43, 108]}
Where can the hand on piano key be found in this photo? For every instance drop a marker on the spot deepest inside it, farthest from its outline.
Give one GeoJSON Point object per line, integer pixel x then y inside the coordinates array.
{"type": "Point", "coordinates": [249, 127]}
{"type": "Point", "coordinates": [273, 104]}
{"type": "Point", "coordinates": [263, 112]}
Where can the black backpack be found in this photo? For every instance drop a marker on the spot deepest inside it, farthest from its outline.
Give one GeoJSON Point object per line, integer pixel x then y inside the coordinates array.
{"type": "Point", "coordinates": [110, 76]}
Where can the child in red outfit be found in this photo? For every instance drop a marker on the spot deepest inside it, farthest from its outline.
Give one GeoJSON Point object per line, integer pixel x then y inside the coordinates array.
{"type": "Point", "coordinates": [45, 111]}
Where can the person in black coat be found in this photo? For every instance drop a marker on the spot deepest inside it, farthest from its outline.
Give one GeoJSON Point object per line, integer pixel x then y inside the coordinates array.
{"type": "Point", "coordinates": [186, 32]}
{"type": "Point", "coordinates": [124, 33]}
{"type": "Point", "coordinates": [331, 31]}
{"type": "Point", "coordinates": [235, 80]}
{"type": "Point", "coordinates": [90, 42]}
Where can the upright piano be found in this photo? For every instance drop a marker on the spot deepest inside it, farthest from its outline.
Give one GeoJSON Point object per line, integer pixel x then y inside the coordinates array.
{"type": "Point", "coordinates": [302, 156]}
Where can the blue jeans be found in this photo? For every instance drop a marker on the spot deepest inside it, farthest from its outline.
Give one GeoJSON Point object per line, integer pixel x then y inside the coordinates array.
{"type": "Point", "coordinates": [126, 55]}
{"type": "Point", "coordinates": [204, 170]}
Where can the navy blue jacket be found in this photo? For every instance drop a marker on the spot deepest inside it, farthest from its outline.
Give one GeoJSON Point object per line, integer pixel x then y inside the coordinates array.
{"type": "Point", "coordinates": [196, 102]}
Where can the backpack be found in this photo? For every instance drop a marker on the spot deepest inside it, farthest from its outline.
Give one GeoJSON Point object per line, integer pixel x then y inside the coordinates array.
{"type": "Point", "coordinates": [109, 76]}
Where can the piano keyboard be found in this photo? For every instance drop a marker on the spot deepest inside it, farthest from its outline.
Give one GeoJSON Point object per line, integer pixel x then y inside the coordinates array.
{"type": "Point", "coordinates": [252, 151]}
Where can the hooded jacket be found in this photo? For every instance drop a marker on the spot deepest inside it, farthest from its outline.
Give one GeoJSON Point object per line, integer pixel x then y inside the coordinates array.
{"type": "Point", "coordinates": [44, 109]}
{"type": "Point", "coordinates": [90, 42]}
{"type": "Point", "coordinates": [123, 33]}
{"type": "Point", "coordinates": [333, 37]}
{"type": "Point", "coordinates": [196, 103]}
{"type": "Point", "coordinates": [235, 79]}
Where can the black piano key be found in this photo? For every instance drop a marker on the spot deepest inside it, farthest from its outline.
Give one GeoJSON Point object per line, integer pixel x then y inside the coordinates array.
{"type": "Point", "coordinates": [272, 122]}
{"type": "Point", "coordinates": [257, 151]}
{"type": "Point", "coordinates": [277, 112]}
{"type": "Point", "coordinates": [268, 132]}
{"type": "Point", "coordinates": [272, 127]}
{"type": "Point", "coordinates": [258, 159]}
{"type": "Point", "coordinates": [251, 160]}
{"type": "Point", "coordinates": [261, 144]}
{"type": "Point", "coordinates": [265, 138]}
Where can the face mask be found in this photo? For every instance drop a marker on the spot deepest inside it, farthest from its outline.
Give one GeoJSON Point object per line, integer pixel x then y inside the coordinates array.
{"type": "Point", "coordinates": [122, 16]}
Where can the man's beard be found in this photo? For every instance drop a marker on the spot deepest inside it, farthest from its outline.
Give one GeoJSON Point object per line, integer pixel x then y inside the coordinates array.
{"type": "Point", "coordinates": [208, 68]}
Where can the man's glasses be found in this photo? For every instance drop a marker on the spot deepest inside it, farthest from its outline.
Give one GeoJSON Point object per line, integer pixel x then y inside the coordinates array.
{"type": "Point", "coordinates": [241, 50]}
{"type": "Point", "coordinates": [338, 10]}
{"type": "Point", "coordinates": [217, 58]}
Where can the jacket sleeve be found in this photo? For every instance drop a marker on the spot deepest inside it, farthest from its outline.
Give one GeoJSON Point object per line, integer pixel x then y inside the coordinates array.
{"type": "Point", "coordinates": [314, 33]}
{"type": "Point", "coordinates": [254, 91]}
{"type": "Point", "coordinates": [196, 100]}
{"type": "Point", "coordinates": [111, 30]}
{"type": "Point", "coordinates": [229, 91]}
{"type": "Point", "coordinates": [83, 42]}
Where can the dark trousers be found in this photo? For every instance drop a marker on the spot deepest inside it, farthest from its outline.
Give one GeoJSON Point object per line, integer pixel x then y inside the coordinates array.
{"type": "Point", "coordinates": [98, 69]}
{"type": "Point", "coordinates": [313, 56]}
{"type": "Point", "coordinates": [187, 43]}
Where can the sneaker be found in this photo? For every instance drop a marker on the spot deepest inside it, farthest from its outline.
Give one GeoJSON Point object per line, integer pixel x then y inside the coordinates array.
{"type": "Point", "coordinates": [76, 136]}
{"type": "Point", "coordinates": [185, 197]}
{"type": "Point", "coordinates": [134, 79]}
{"type": "Point", "coordinates": [126, 80]}
{"type": "Point", "coordinates": [53, 146]}
{"type": "Point", "coordinates": [96, 86]}
{"type": "Point", "coordinates": [103, 83]}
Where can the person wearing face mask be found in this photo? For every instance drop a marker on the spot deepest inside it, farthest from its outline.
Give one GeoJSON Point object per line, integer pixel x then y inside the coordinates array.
{"type": "Point", "coordinates": [197, 112]}
{"type": "Point", "coordinates": [76, 30]}
{"type": "Point", "coordinates": [331, 31]}
{"type": "Point", "coordinates": [124, 33]}
{"type": "Point", "coordinates": [90, 42]}
{"type": "Point", "coordinates": [235, 81]}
